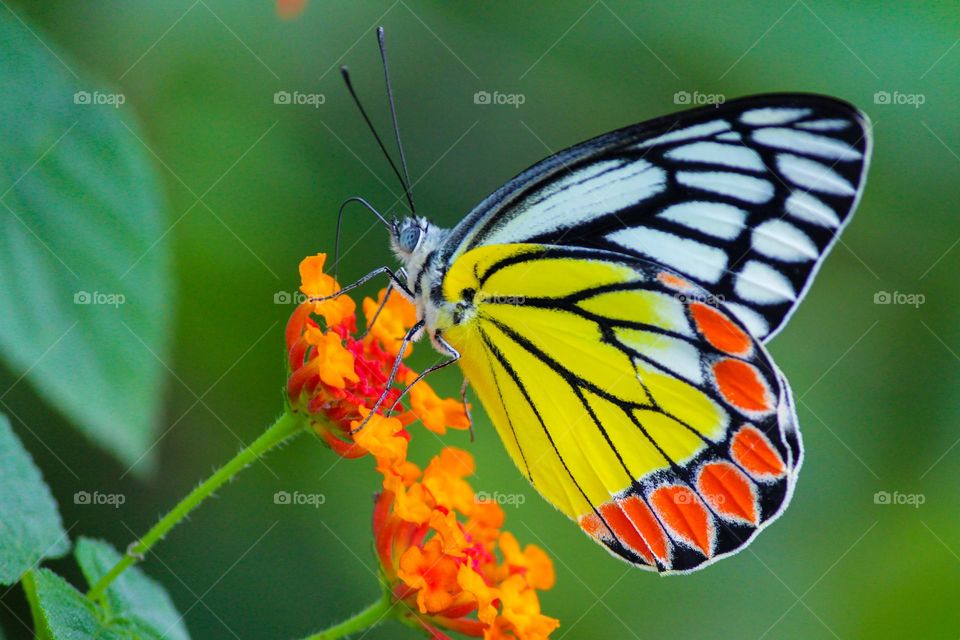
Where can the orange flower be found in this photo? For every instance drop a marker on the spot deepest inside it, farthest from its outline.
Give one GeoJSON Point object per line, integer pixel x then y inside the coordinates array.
{"type": "Point", "coordinates": [317, 284]}
{"type": "Point", "coordinates": [386, 439]}
{"type": "Point", "coordinates": [443, 554]}
{"type": "Point", "coordinates": [437, 414]}
{"type": "Point", "coordinates": [444, 478]}
{"type": "Point", "coordinates": [396, 316]}
{"type": "Point", "coordinates": [449, 574]}
{"type": "Point", "coordinates": [474, 584]}
{"type": "Point", "coordinates": [289, 9]}
{"type": "Point", "coordinates": [337, 379]}
{"type": "Point", "coordinates": [521, 609]}
{"type": "Point", "coordinates": [485, 521]}
{"type": "Point", "coordinates": [532, 561]}
{"type": "Point", "coordinates": [331, 362]}
{"type": "Point", "coordinates": [432, 573]}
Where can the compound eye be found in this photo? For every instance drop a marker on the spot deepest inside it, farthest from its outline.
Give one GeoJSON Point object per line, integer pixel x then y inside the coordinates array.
{"type": "Point", "coordinates": [410, 238]}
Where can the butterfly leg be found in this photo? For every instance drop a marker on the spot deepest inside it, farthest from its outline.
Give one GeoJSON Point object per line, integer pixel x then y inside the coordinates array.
{"type": "Point", "coordinates": [376, 314]}
{"type": "Point", "coordinates": [394, 280]}
{"type": "Point", "coordinates": [414, 330]}
{"type": "Point", "coordinates": [454, 356]}
{"type": "Point", "coordinates": [466, 406]}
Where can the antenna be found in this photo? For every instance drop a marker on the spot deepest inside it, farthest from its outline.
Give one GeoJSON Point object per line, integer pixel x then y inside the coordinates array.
{"type": "Point", "coordinates": [404, 177]}
{"type": "Point", "coordinates": [391, 226]}
{"type": "Point", "coordinates": [393, 112]}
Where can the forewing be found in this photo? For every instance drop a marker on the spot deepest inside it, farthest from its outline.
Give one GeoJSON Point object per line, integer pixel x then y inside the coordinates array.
{"type": "Point", "coordinates": [630, 398]}
{"type": "Point", "coordinates": [745, 199]}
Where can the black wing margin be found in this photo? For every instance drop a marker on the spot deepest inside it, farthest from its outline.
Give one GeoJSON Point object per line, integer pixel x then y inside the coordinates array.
{"type": "Point", "coordinates": [745, 198]}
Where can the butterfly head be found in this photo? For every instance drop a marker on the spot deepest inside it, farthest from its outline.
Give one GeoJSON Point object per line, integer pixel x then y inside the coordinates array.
{"type": "Point", "coordinates": [413, 240]}
{"type": "Point", "coordinates": [413, 237]}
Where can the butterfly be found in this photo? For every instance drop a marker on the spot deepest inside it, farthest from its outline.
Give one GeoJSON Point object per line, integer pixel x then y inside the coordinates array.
{"type": "Point", "coordinates": [611, 304]}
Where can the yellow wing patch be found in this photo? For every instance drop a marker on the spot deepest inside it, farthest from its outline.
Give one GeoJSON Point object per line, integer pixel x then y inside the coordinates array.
{"type": "Point", "coordinates": [559, 389]}
{"type": "Point", "coordinates": [607, 394]}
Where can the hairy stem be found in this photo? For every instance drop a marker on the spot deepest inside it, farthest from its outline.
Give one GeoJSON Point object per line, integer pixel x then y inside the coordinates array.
{"type": "Point", "coordinates": [286, 426]}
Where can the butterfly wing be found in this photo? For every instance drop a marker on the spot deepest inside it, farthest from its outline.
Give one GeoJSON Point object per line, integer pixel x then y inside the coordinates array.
{"type": "Point", "coordinates": [630, 398]}
{"type": "Point", "coordinates": [744, 199]}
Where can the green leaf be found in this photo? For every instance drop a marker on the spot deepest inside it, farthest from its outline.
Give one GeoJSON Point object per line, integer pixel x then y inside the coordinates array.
{"type": "Point", "coordinates": [30, 525]}
{"type": "Point", "coordinates": [41, 630]}
{"type": "Point", "coordinates": [133, 596]}
{"type": "Point", "coordinates": [68, 614]}
{"type": "Point", "coordinates": [85, 269]}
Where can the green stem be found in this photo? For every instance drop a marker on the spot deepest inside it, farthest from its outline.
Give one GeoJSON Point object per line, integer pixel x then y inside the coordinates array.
{"type": "Point", "coordinates": [369, 617]}
{"type": "Point", "coordinates": [286, 425]}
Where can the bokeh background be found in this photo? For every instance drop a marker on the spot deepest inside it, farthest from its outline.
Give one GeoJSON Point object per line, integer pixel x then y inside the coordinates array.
{"type": "Point", "coordinates": [876, 383]}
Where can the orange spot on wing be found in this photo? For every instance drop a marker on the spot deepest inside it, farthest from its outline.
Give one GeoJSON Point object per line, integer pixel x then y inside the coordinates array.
{"type": "Point", "coordinates": [752, 451]}
{"type": "Point", "coordinates": [728, 491]}
{"type": "Point", "coordinates": [594, 527]}
{"type": "Point", "coordinates": [623, 528]}
{"type": "Point", "coordinates": [741, 385]}
{"type": "Point", "coordinates": [719, 330]}
{"type": "Point", "coordinates": [646, 523]}
{"type": "Point", "coordinates": [673, 281]}
{"type": "Point", "coordinates": [681, 510]}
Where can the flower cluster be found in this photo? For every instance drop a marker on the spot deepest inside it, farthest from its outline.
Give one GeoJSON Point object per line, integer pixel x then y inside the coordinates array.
{"type": "Point", "coordinates": [334, 376]}
{"type": "Point", "coordinates": [444, 557]}
{"type": "Point", "coordinates": [443, 553]}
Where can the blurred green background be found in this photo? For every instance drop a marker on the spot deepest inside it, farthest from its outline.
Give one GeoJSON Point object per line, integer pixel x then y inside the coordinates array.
{"type": "Point", "coordinates": [875, 383]}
